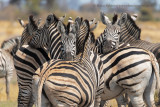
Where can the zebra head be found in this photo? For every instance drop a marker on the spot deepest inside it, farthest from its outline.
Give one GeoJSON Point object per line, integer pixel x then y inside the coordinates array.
{"type": "Point", "coordinates": [42, 37]}
{"type": "Point", "coordinates": [129, 29]}
{"type": "Point", "coordinates": [110, 36]}
{"type": "Point", "coordinates": [68, 38]}
{"type": "Point", "coordinates": [29, 28]}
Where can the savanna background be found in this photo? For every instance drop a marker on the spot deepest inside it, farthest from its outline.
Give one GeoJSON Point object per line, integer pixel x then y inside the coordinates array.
{"type": "Point", "coordinates": [10, 10]}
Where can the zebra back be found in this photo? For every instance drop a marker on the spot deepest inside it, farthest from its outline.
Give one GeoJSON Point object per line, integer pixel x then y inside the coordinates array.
{"type": "Point", "coordinates": [11, 45]}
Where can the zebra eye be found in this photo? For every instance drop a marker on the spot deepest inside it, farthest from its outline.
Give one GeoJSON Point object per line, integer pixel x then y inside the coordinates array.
{"type": "Point", "coordinates": [118, 33]}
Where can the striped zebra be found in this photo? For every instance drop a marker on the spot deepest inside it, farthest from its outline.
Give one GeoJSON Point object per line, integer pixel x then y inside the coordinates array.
{"type": "Point", "coordinates": [26, 61]}
{"type": "Point", "coordinates": [131, 70]}
{"type": "Point", "coordinates": [130, 33]}
{"type": "Point", "coordinates": [70, 83]}
{"type": "Point", "coordinates": [8, 49]}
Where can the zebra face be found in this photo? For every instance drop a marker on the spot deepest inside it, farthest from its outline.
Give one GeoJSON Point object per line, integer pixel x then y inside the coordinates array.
{"type": "Point", "coordinates": [68, 39]}
{"type": "Point", "coordinates": [111, 38]}
{"type": "Point", "coordinates": [69, 46]}
{"type": "Point", "coordinates": [39, 39]}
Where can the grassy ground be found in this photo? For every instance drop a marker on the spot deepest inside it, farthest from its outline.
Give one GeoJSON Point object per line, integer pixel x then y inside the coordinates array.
{"type": "Point", "coordinates": [150, 32]}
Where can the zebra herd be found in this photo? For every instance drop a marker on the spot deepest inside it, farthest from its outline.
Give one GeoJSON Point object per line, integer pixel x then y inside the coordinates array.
{"type": "Point", "coordinates": [65, 66]}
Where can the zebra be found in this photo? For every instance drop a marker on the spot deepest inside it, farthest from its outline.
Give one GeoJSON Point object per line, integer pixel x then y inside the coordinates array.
{"type": "Point", "coordinates": [30, 58]}
{"type": "Point", "coordinates": [8, 49]}
{"type": "Point", "coordinates": [26, 61]}
{"type": "Point", "coordinates": [74, 74]}
{"type": "Point", "coordinates": [130, 33]}
{"type": "Point", "coordinates": [124, 69]}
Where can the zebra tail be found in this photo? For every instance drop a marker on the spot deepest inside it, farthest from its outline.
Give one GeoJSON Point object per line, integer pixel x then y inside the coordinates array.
{"type": "Point", "coordinates": [40, 86]}
{"type": "Point", "coordinates": [156, 68]}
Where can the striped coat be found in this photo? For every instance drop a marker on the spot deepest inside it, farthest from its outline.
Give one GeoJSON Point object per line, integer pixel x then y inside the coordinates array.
{"type": "Point", "coordinates": [69, 83]}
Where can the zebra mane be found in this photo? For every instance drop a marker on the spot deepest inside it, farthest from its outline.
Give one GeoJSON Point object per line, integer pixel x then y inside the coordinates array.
{"type": "Point", "coordinates": [68, 27]}
{"type": "Point", "coordinates": [86, 38]}
{"type": "Point", "coordinates": [135, 26]}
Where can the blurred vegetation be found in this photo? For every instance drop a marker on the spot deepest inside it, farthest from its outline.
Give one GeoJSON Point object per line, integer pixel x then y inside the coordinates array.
{"type": "Point", "coordinates": [41, 8]}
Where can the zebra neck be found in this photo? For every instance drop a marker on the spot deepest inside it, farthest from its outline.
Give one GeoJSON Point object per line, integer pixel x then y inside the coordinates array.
{"type": "Point", "coordinates": [55, 42]}
{"type": "Point", "coordinates": [129, 36]}
{"type": "Point", "coordinates": [100, 39]}
{"type": "Point", "coordinates": [129, 32]}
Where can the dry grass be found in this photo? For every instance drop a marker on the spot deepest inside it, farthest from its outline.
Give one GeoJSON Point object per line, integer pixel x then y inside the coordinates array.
{"type": "Point", "coordinates": [150, 32]}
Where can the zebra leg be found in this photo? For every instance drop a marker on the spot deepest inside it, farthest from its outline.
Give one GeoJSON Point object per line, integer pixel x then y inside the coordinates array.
{"type": "Point", "coordinates": [137, 100]}
{"type": "Point", "coordinates": [7, 86]}
{"type": "Point", "coordinates": [149, 92]}
{"type": "Point", "coordinates": [97, 101]}
{"type": "Point", "coordinates": [121, 101]}
{"type": "Point", "coordinates": [104, 103]}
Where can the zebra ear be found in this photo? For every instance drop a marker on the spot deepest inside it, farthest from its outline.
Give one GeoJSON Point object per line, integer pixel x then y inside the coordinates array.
{"type": "Point", "coordinates": [105, 20]}
{"type": "Point", "coordinates": [39, 21]}
{"type": "Point", "coordinates": [77, 26]}
{"type": "Point", "coordinates": [61, 27]}
{"type": "Point", "coordinates": [134, 17]}
{"type": "Point", "coordinates": [70, 20]}
{"type": "Point", "coordinates": [92, 21]}
{"type": "Point", "coordinates": [95, 26]}
{"type": "Point", "coordinates": [62, 18]}
{"type": "Point", "coordinates": [21, 23]}
{"type": "Point", "coordinates": [79, 20]}
{"type": "Point", "coordinates": [49, 20]}
{"type": "Point", "coordinates": [115, 18]}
